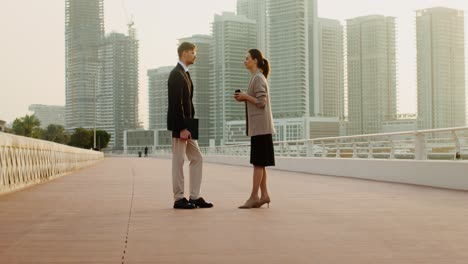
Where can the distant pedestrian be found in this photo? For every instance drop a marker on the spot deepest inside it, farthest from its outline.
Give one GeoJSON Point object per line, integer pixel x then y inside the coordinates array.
{"type": "Point", "coordinates": [146, 151]}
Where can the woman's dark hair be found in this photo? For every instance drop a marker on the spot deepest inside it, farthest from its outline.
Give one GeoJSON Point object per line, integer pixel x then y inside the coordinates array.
{"type": "Point", "coordinates": [262, 63]}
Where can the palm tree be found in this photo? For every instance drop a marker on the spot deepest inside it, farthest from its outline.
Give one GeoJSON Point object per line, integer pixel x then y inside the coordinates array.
{"type": "Point", "coordinates": [30, 122]}
{"type": "Point", "coordinates": [25, 126]}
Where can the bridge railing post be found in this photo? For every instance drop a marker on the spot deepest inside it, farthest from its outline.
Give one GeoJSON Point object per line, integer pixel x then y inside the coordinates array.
{"type": "Point", "coordinates": [310, 148]}
{"type": "Point", "coordinates": [392, 148]}
{"type": "Point", "coordinates": [420, 147]}
{"type": "Point", "coordinates": [456, 140]}
{"type": "Point", "coordinates": [370, 150]}
{"type": "Point", "coordinates": [337, 148]}
{"type": "Point", "coordinates": [323, 150]}
{"type": "Point", "coordinates": [354, 149]}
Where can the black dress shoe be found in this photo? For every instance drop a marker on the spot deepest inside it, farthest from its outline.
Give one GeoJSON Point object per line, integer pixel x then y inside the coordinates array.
{"type": "Point", "coordinates": [183, 204]}
{"type": "Point", "coordinates": [201, 203]}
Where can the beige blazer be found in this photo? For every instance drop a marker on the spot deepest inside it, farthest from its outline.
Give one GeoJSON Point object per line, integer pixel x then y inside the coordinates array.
{"type": "Point", "coordinates": [259, 116]}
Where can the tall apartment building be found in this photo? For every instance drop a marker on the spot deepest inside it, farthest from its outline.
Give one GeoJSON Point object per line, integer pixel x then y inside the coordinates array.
{"type": "Point", "coordinates": [256, 10]}
{"type": "Point", "coordinates": [117, 95]}
{"type": "Point", "coordinates": [233, 36]}
{"type": "Point", "coordinates": [331, 69]}
{"type": "Point", "coordinates": [84, 31]}
{"type": "Point", "coordinates": [158, 97]}
{"type": "Point", "coordinates": [157, 102]}
{"type": "Point", "coordinates": [294, 54]}
{"type": "Point", "coordinates": [371, 73]}
{"type": "Point", "coordinates": [313, 38]}
{"type": "Point", "coordinates": [289, 58]}
{"type": "Point", "coordinates": [441, 68]}
{"type": "Point", "coordinates": [201, 73]}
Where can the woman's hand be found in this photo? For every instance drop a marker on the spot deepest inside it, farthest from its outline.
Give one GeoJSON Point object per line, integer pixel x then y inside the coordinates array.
{"type": "Point", "coordinates": [240, 97]}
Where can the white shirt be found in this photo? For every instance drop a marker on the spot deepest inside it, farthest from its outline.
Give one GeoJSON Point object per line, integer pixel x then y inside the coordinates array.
{"type": "Point", "coordinates": [183, 65]}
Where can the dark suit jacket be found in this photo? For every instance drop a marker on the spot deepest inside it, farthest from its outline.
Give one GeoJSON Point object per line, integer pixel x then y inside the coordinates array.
{"type": "Point", "coordinates": [180, 106]}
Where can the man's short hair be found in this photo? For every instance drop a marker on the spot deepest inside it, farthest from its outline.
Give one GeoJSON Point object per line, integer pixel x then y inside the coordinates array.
{"type": "Point", "coordinates": [185, 46]}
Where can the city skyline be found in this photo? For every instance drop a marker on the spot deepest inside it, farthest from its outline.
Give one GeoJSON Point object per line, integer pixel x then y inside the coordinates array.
{"type": "Point", "coordinates": [51, 79]}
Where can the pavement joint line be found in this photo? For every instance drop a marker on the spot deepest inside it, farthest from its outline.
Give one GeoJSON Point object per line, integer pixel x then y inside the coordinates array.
{"type": "Point", "coordinates": [129, 216]}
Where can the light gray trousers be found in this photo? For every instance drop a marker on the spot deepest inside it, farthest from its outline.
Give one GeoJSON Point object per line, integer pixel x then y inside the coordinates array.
{"type": "Point", "coordinates": [181, 148]}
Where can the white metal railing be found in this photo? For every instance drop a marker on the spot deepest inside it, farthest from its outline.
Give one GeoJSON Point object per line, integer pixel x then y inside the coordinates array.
{"type": "Point", "coordinates": [25, 161]}
{"type": "Point", "coordinates": [443, 144]}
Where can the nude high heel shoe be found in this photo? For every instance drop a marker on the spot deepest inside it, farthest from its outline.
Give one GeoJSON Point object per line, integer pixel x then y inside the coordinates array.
{"type": "Point", "coordinates": [264, 201]}
{"type": "Point", "coordinates": [250, 204]}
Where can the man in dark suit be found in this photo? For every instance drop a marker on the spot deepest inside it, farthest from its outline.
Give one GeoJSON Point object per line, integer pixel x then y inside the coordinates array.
{"type": "Point", "coordinates": [180, 120]}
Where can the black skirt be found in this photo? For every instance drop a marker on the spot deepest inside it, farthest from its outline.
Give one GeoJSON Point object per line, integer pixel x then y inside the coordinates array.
{"type": "Point", "coordinates": [262, 152]}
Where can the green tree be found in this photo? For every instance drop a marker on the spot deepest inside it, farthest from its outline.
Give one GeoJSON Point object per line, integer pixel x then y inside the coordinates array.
{"type": "Point", "coordinates": [18, 127]}
{"type": "Point", "coordinates": [38, 133]}
{"type": "Point", "coordinates": [81, 138]}
{"type": "Point", "coordinates": [56, 133]}
{"type": "Point", "coordinates": [102, 139]}
{"type": "Point", "coordinates": [25, 126]}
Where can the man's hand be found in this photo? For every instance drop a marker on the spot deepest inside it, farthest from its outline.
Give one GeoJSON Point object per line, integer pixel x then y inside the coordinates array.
{"type": "Point", "coordinates": [185, 134]}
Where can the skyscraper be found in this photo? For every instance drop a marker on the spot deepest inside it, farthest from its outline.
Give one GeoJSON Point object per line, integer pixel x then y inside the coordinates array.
{"type": "Point", "coordinates": [371, 73]}
{"type": "Point", "coordinates": [294, 60]}
{"type": "Point", "coordinates": [157, 102]}
{"type": "Point", "coordinates": [157, 96]}
{"type": "Point", "coordinates": [84, 31]}
{"type": "Point", "coordinates": [203, 98]}
{"type": "Point", "coordinates": [441, 68]}
{"type": "Point", "coordinates": [331, 71]}
{"type": "Point", "coordinates": [313, 38]}
{"type": "Point", "coordinates": [117, 96]}
{"type": "Point", "coordinates": [289, 58]}
{"type": "Point", "coordinates": [233, 36]}
{"type": "Point", "coordinates": [256, 10]}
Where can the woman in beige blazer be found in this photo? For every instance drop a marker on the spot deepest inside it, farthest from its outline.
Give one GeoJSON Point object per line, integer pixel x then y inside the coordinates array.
{"type": "Point", "coordinates": [260, 126]}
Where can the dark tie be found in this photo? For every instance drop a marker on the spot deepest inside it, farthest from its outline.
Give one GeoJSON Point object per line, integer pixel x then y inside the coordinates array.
{"type": "Point", "coordinates": [190, 79]}
{"type": "Point", "coordinates": [191, 83]}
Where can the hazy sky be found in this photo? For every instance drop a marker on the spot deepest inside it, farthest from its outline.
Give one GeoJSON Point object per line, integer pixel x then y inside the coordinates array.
{"type": "Point", "coordinates": [32, 43]}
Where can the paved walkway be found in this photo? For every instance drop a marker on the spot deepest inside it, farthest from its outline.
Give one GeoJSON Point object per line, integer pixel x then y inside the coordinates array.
{"type": "Point", "coordinates": [85, 218]}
